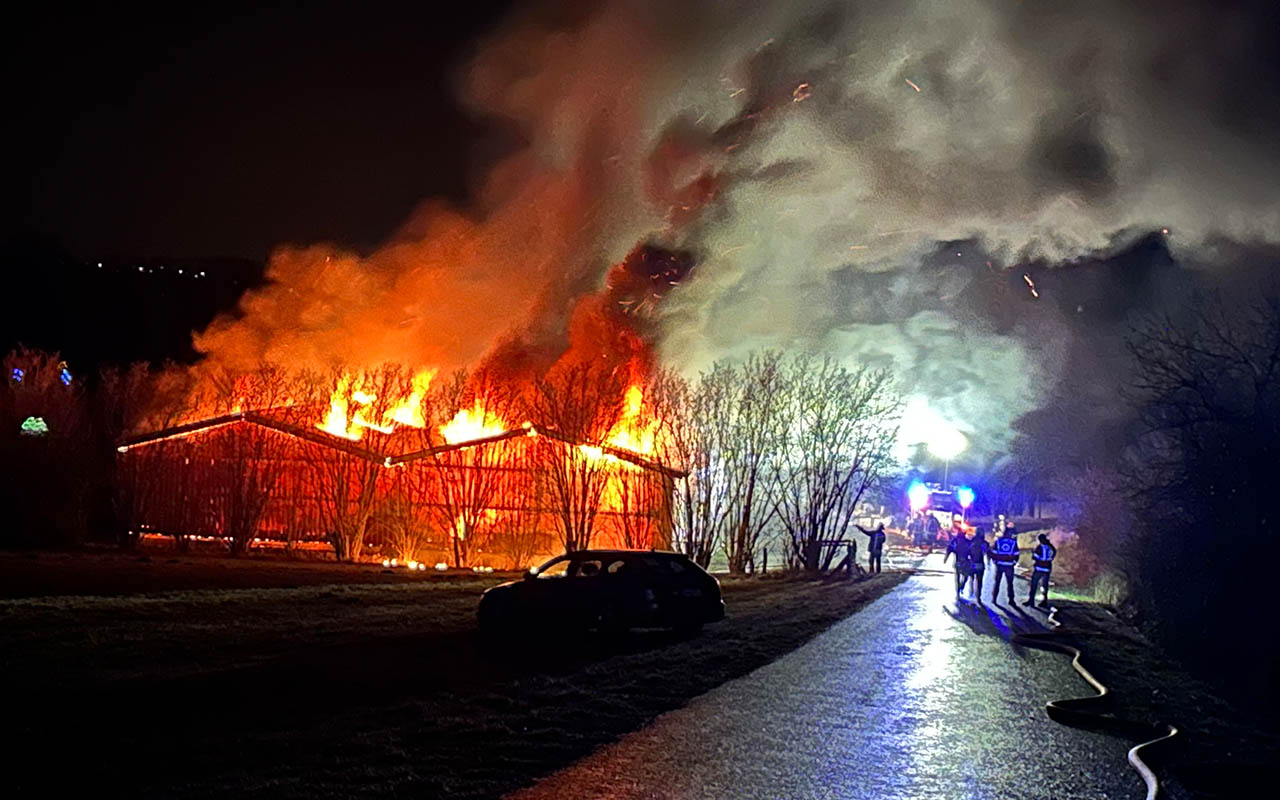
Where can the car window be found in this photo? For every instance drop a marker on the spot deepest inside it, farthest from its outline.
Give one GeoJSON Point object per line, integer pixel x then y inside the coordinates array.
{"type": "Point", "coordinates": [553, 569]}
{"type": "Point", "coordinates": [664, 565]}
{"type": "Point", "coordinates": [588, 568]}
{"type": "Point", "coordinates": [616, 567]}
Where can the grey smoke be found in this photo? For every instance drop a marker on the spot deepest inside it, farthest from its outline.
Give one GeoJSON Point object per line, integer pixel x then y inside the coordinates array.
{"type": "Point", "coordinates": [822, 159]}
{"type": "Point", "coordinates": [1038, 132]}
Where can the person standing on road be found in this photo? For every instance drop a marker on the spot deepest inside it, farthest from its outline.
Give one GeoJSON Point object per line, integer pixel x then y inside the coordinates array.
{"type": "Point", "coordinates": [933, 530]}
{"type": "Point", "coordinates": [1004, 554]}
{"type": "Point", "coordinates": [959, 547]}
{"type": "Point", "coordinates": [978, 550]}
{"type": "Point", "coordinates": [1041, 566]}
{"type": "Point", "coordinates": [916, 529]}
{"type": "Point", "coordinates": [875, 547]}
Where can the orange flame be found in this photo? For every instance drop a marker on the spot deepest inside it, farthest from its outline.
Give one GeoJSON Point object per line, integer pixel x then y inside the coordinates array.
{"type": "Point", "coordinates": [460, 524]}
{"type": "Point", "coordinates": [336, 420]}
{"type": "Point", "coordinates": [472, 423]}
{"type": "Point", "coordinates": [409, 410]}
{"type": "Point", "coordinates": [342, 420]}
{"type": "Point", "coordinates": [631, 432]}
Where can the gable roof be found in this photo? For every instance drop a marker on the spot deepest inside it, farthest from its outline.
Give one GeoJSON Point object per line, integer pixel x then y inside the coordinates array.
{"type": "Point", "coordinates": [316, 436]}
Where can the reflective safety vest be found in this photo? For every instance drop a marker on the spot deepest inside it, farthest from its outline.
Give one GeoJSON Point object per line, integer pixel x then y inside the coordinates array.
{"type": "Point", "coordinates": [1005, 551]}
{"type": "Point", "coordinates": [1043, 557]}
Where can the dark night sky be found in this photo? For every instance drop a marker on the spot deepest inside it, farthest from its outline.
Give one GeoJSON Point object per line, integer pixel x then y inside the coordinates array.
{"type": "Point", "coordinates": [226, 132]}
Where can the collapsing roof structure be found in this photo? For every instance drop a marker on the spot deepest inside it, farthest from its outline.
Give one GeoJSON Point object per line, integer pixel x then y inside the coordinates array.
{"type": "Point", "coordinates": [314, 436]}
{"type": "Point", "coordinates": [511, 498]}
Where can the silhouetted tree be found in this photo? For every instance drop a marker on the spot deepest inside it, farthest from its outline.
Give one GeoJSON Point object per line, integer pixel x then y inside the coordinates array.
{"type": "Point", "coordinates": [1204, 474]}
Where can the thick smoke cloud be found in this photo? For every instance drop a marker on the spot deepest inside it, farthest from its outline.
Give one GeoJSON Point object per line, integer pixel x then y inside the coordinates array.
{"type": "Point", "coordinates": [1023, 132]}
{"type": "Point", "coordinates": [868, 179]}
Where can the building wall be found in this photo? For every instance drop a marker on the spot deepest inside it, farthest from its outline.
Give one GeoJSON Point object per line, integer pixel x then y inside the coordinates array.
{"type": "Point", "coordinates": [291, 490]}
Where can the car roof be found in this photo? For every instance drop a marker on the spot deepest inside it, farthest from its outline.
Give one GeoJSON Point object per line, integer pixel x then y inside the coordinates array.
{"type": "Point", "coordinates": [614, 553]}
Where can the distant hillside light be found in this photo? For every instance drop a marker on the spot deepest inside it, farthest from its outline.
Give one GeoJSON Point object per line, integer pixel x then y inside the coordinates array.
{"type": "Point", "coordinates": [34, 426]}
{"type": "Point", "coordinates": [18, 375]}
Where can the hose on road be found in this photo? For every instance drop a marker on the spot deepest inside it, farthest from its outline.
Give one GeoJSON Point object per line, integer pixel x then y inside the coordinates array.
{"type": "Point", "coordinates": [1083, 711]}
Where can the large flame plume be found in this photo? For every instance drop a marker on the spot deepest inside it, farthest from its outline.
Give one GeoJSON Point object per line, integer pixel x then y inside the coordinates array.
{"type": "Point", "coordinates": [812, 158]}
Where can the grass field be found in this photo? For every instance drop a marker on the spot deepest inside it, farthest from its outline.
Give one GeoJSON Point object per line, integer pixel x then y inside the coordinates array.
{"type": "Point", "coordinates": [373, 686]}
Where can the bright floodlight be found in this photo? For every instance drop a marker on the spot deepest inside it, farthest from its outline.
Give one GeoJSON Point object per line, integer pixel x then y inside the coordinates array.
{"type": "Point", "coordinates": [917, 495]}
{"type": "Point", "coordinates": [946, 442]}
{"type": "Point", "coordinates": [921, 424]}
{"type": "Point", "coordinates": [965, 495]}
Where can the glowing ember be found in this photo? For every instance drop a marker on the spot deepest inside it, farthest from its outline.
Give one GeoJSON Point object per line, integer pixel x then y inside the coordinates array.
{"type": "Point", "coordinates": [1030, 284]}
{"type": "Point", "coordinates": [472, 423]}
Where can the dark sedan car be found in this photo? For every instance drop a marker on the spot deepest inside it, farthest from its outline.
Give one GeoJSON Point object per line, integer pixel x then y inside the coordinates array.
{"type": "Point", "coordinates": [610, 590]}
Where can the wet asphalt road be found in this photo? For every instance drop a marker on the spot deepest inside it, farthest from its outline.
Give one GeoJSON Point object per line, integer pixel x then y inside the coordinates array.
{"type": "Point", "coordinates": [915, 696]}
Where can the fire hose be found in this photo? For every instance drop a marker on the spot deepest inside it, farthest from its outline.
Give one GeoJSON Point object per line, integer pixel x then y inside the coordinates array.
{"type": "Point", "coordinates": [1076, 711]}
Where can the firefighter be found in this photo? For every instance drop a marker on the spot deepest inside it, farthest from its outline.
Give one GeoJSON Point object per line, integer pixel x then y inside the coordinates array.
{"type": "Point", "coordinates": [1041, 566]}
{"type": "Point", "coordinates": [875, 547]}
{"type": "Point", "coordinates": [916, 529]}
{"type": "Point", "coordinates": [958, 546]}
{"type": "Point", "coordinates": [978, 550]}
{"type": "Point", "coordinates": [1004, 554]}
{"type": "Point", "coordinates": [933, 528]}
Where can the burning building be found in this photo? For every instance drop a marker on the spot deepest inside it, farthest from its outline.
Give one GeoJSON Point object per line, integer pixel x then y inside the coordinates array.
{"type": "Point", "coordinates": [395, 478]}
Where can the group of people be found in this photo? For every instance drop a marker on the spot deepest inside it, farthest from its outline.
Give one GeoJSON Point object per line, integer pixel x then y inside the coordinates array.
{"type": "Point", "coordinates": [924, 529]}
{"type": "Point", "coordinates": [972, 552]}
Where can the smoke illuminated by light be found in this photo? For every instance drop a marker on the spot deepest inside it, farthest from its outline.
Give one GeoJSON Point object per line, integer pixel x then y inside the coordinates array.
{"type": "Point", "coordinates": [922, 425]}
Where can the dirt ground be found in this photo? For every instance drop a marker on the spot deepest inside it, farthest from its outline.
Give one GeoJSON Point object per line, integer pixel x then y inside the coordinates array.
{"type": "Point", "coordinates": [1222, 751]}
{"type": "Point", "coordinates": [374, 686]}
{"type": "Point", "coordinates": [110, 572]}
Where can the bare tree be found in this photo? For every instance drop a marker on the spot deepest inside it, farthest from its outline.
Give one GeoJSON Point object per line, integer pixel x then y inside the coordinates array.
{"type": "Point", "coordinates": [747, 431]}
{"type": "Point", "coordinates": [249, 459]}
{"type": "Point", "coordinates": [840, 429]}
{"type": "Point", "coordinates": [347, 478]}
{"type": "Point", "coordinates": [125, 399]}
{"type": "Point", "coordinates": [520, 534]}
{"type": "Point", "coordinates": [463, 485]}
{"type": "Point", "coordinates": [405, 525]}
{"type": "Point", "coordinates": [578, 403]}
{"type": "Point", "coordinates": [690, 416]}
{"type": "Point", "coordinates": [1206, 386]}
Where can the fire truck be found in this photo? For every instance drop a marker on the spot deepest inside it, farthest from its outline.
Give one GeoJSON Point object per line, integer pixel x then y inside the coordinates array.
{"type": "Point", "coordinates": [933, 511]}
